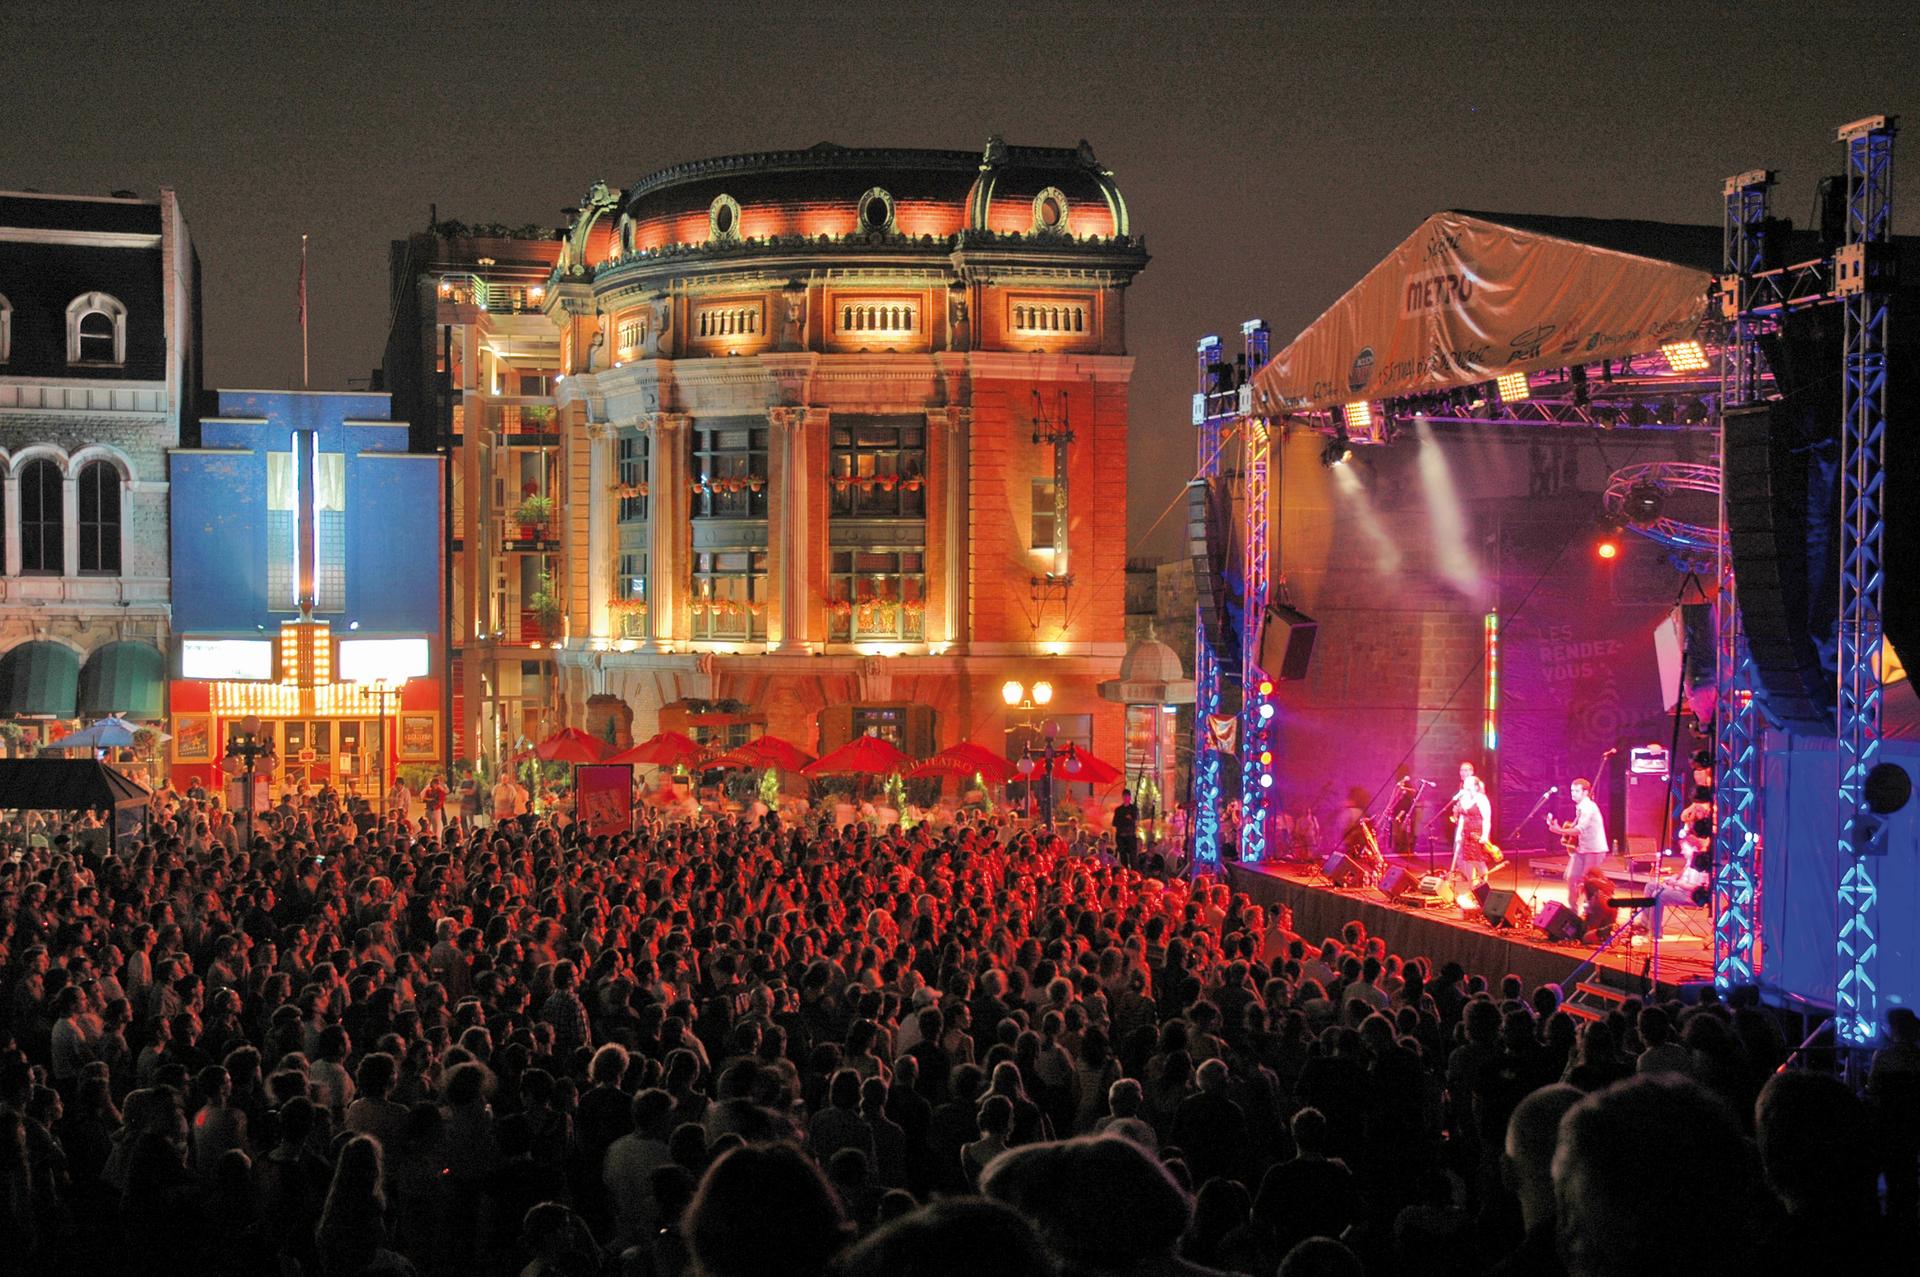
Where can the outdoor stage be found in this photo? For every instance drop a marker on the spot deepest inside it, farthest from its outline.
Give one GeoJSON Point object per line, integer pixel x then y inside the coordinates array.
{"type": "Point", "coordinates": [1443, 933]}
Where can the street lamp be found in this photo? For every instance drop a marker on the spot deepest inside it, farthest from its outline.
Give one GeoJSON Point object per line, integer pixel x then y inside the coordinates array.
{"type": "Point", "coordinates": [1051, 757]}
{"type": "Point", "coordinates": [247, 752]}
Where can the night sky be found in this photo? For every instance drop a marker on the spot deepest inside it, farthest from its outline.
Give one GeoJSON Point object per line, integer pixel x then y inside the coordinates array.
{"type": "Point", "coordinates": [1270, 153]}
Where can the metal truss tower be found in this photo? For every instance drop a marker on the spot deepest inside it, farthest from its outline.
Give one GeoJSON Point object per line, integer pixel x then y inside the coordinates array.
{"type": "Point", "coordinates": [1256, 705]}
{"type": "Point", "coordinates": [1862, 281]}
{"type": "Point", "coordinates": [1739, 728]}
{"type": "Point", "coordinates": [1205, 824]}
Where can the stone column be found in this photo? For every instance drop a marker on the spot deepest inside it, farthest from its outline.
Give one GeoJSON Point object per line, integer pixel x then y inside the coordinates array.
{"type": "Point", "coordinates": [790, 534]}
{"type": "Point", "coordinates": [601, 512]}
{"type": "Point", "coordinates": [12, 486]}
{"type": "Point", "coordinates": [70, 526]}
{"type": "Point", "coordinates": [948, 443]}
{"type": "Point", "coordinates": [667, 514]}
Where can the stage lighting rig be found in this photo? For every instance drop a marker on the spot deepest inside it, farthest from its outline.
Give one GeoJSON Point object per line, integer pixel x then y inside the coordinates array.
{"type": "Point", "coordinates": [1339, 450]}
{"type": "Point", "coordinates": [1643, 504]}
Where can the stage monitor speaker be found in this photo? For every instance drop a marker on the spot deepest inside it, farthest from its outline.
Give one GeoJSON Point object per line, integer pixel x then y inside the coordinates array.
{"type": "Point", "coordinates": [1398, 881]}
{"type": "Point", "coordinates": [1343, 871]}
{"type": "Point", "coordinates": [1646, 811]}
{"type": "Point", "coordinates": [1770, 529]}
{"type": "Point", "coordinates": [1504, 908]}
{"type": "Point", "coordinates": [1559, 922]}
{"type": "Point", "coordinates": [1286, 644]}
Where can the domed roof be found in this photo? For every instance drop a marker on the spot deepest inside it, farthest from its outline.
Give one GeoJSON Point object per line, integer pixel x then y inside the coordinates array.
{"type": "Point", "coordinates": [826, 173]}
{"type": "Point", "coordinates": [1150, 660]}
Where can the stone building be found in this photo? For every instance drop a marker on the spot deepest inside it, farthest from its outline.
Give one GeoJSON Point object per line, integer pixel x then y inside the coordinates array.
{"type": "Point", "coordinates": [842, 446]}
{"type": "Point", "coordinates": [99, 374]}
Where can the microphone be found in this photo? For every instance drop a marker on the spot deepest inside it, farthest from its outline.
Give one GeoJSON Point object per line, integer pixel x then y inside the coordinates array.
{"type": "Point", "coordinates": [1610, 753]}
{"type": "Point", "coordinates": [1554, 790]}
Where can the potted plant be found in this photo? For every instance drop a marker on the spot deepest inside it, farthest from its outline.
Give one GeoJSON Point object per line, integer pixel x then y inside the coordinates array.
{"type": "Point", "coordinates": [544, 604]}
{"type": "Point", "coordinates": [533, 514]}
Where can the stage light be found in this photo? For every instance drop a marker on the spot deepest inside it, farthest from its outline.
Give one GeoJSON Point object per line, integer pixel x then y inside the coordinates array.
{"type": "Point", "coordinates": [1266, 782]}
{"type": "Point", "coordinates": [1266, 711]}
{"type": "Point", "coordinates": [1581, 396]}
{"type": "Point", "coordinates": [1685, 356]}
{"type": "Point", "coordinates": [1339, 450]}
{"type": "Point", "coordinates": [1608, 547]}
{"type": "Point", "coordinates": [1266, 687]}
{"type": "Point", "coordinates": [1643, 503]}
{"type": "Point", "coordinates": [1513, 387]}
{"type": "Point", "coordinates": [1266, 758]}
{"type": "Point", "coordinates": [1358, 416]}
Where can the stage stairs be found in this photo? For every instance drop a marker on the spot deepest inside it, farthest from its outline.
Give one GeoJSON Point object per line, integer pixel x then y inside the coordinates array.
{"type": "Point", "coordinates": [1593, 998]}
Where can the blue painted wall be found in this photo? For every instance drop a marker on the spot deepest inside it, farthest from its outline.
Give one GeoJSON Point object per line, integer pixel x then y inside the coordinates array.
{"type": "Point", "coordinates": [219, 524]}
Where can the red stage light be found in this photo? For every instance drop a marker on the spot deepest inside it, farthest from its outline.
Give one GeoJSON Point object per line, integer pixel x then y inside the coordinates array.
{"type": "Point", "coordinates": [1608, 549]}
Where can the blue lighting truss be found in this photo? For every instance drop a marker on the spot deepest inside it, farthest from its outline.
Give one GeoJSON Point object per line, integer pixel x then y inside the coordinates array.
{"type": "Point", "coordinates": [1862, 284]}
{"type": "Point", "coordinates": [1739, 730]}
{"type": "Point", "coordinates": [1205, 825]}
{"type": "Point", "coordinates": [1256, 713]}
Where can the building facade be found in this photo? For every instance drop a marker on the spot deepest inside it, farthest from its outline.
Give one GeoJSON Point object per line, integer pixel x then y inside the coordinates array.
{"type": "Point", "coordinates": [472, 362]}
{"type": "Point", "coordinates": [99, 378]}
{"type": "Point", "coordinates": [305, 535]}
{"type": "Point", "coordinates": [842, 447]}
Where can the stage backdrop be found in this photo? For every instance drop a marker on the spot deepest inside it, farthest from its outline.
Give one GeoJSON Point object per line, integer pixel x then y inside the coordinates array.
{"type": "Point", "coordinates": [1578, 672]}
{"type": "Point", "coordinates": [1402, 591]}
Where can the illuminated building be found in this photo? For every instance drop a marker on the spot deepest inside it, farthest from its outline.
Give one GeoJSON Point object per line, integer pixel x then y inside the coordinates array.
{"type": "Point", "coordinates": [99, 372]}
{"type": "Point", "coordinates": [471, 362]}
{"type": "Point", "coordinates": [306, 556]}
{"type": "Point", "coordinates": [842, 441]}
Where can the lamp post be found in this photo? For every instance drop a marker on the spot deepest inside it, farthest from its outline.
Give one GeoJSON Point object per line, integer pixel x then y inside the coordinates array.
{"type": "Point", "coordinates": [1051, 758]}
{"type": "Point", "coordinates": [378, 689]}
{"type": "Point", "coordinates": [245, 753]}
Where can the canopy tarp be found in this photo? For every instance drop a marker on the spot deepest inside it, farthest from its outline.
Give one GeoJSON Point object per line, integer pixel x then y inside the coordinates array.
{"type": "Point", "coordinates": [863, 755]}
{"type": "Point", "coordinates": [1469, 296]}
{"type": "Point", "coordinates": [662, 749]}
{"type": "Point", "coordinates": [123, 678]}
{"type": "Point", "coordinates": [38, 680]}
{"type": "Point", "coordinates": [65, 784]}
{"type": "Point", "coordinates": [570, 745]}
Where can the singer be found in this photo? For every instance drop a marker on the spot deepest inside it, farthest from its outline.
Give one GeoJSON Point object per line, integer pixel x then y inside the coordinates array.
{"type": "Point", "coordinates": [1472, 817]}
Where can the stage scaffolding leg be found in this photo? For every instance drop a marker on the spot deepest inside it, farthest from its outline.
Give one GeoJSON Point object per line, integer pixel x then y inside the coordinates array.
{"type": "Point", "coordinates": [1256, 700]}
{"type": "Point", "coordinates": [1863, 290]}
{"type": "Point", "coordinates": [1205, 824]}
{"type": "Point", "coordinates": [1739, 729]}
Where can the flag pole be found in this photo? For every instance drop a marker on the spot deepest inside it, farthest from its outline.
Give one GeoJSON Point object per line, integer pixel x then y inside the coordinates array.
{"type": "Point", "coordinates": [303, 312]}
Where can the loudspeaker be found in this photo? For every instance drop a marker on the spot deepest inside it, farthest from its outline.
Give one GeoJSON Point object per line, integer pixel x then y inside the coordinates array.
{"type": "Point", "coordinates": [1559, 922]}
{"type": "Point", "coordinates": [1774, 506]}
{"type": "Point", "coordinates": [1398, 881]}
{"type": "Point", "coordinates": [1646, 811]}
{"type": "Point", "coordinates": [1286, 644]}
{"type": "Point", "coordinates": [1343, 871]}
{"type": "Point", "coordinates": [1503, 908]}
{"type": "Point", "coordinates": [1208, 544]}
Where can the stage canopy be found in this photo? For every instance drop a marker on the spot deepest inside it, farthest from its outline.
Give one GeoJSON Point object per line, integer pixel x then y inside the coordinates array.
{"type": "Point", "coordinates": [1469, 296]}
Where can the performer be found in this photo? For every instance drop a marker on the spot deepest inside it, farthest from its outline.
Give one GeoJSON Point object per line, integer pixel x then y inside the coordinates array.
{"type": "Point", "coordinates": [1472, 817]}
{"type": "Point", "coordinates": [1585, 837]}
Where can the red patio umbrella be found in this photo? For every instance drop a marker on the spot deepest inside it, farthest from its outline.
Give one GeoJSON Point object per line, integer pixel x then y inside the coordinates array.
{"type": "Point", "coordinates": [1092, 770]}
{"type": "Point", "coordinates": [863, 755]}
{"type": "Point", "coordinates": [966, 760]}
{"type": "Point", "coordinates": [783, 754]}
{"type": "Point", "coordinates": [570, 745]}
{"type": "Point", "coordinates": [663, 749]}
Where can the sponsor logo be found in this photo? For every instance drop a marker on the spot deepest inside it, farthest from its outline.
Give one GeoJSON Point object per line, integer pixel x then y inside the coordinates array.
{"type": "Point", "coordinates": [1435, 292]}
{"type": "Point", "coordinates": [1362, 371]}
{"type": "Point", "coordinates": [1527, 345]}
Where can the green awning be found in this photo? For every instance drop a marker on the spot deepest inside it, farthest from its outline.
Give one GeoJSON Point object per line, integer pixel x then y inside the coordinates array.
{"type": "Point", "coordinates": [38, 679]}
{"type": "Point", "coordinates": [124, 678]}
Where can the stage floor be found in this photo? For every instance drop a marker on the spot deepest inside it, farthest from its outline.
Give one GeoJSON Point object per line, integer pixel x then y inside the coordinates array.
{"type": "Point", "coordinates": [1444, 933]}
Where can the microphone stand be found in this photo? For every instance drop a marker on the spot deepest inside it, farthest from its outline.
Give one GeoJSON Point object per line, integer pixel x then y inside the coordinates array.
{"type": "Point", "coordinates": [1515, 833]}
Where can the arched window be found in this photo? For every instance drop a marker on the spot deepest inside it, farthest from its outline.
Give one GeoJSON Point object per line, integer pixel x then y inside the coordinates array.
{"type": "Point", "coordinates": [99, 518]}
{"type": "Point", "coordinates": [42, 518]}
{"type": "Point", "coordinates": [6, 328]}
{"type": "Point", "coordinates": [96, 330]}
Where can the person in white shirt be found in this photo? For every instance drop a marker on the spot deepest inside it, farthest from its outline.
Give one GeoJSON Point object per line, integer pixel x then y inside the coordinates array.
{"type": "Point", "coordinates": [1588, 834]}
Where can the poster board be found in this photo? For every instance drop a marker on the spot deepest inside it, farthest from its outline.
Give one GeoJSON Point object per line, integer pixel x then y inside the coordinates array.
{"type": "Point", "coordinates": [603, 798]}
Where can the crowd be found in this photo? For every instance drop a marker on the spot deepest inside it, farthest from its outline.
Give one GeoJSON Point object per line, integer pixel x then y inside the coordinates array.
{"type": "Point", "coordinates": [734, 1047]}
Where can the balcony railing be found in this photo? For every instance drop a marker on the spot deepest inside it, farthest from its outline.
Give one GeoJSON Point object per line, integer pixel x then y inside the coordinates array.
{"type": "Point", "coordinates": [524, 419]}
{"type": "Point", "coordinates": [488, 295]}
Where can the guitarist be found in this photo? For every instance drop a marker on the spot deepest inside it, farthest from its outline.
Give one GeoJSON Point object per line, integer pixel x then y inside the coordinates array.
{"type": "Point", "coordinates": [1584, 837]}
